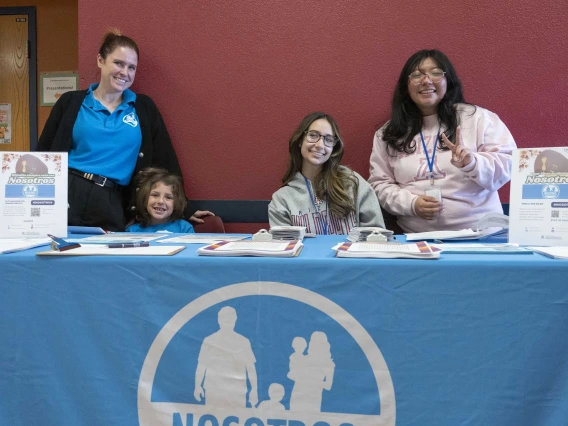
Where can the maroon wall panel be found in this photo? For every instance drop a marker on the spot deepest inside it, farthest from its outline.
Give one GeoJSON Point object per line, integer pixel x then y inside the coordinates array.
{"type": "Point", "coordinates": [234, 78]}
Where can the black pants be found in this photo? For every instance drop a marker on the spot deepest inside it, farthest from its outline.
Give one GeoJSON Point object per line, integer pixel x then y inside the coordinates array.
{"type": "Point", "coordinates": [94, 205]}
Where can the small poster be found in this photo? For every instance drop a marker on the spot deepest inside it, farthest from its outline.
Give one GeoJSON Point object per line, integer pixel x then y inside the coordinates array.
{"type": "Point", "coordinates": [5, 123]}
{"type": "Point", "coordinates": [53, 85]}
{"type": "Point", "coordinates": [538, 213]}
{"type": "Point", "coordinates": [33, 194]}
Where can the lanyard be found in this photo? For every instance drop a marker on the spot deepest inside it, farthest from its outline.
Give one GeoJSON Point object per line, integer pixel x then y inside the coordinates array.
{"type": "Point", "coordinates": [316, 206]}
{"type": "Point", "coordinates": [431, 162]}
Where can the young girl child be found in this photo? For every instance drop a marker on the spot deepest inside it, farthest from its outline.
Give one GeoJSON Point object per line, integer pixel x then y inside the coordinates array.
{"type": "Point", "coordinates": [160, 202]}
{"type": "Point", "coordinates": [319, 193]}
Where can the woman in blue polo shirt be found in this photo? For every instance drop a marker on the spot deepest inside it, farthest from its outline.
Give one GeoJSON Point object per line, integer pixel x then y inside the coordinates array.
{"type": "Point", "coordinates": [111, 133]}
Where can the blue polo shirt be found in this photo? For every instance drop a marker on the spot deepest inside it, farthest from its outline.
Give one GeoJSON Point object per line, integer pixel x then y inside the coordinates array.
{"type": "Point", "coordinates": [178, 226]}
{"type": "Point", "coordinates": [106, 144]}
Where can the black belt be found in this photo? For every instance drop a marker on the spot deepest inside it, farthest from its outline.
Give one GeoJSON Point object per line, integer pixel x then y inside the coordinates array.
{"type": "Point", "coordinates": [96, 179]}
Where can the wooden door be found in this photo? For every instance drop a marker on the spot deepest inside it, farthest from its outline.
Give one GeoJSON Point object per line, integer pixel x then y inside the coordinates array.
{"type": "Point", "coordinates": [14, 83]}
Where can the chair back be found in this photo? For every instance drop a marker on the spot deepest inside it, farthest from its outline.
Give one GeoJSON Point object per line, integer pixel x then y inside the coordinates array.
{"type": "Point", "coordinates": [210, 225]}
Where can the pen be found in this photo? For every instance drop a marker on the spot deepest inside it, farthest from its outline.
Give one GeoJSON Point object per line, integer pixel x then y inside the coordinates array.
{"type": "Point", "coordinates": [129, 245]}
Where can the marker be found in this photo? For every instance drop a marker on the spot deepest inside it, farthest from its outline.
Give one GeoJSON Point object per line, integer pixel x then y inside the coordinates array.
{"type": "Point", "coordinates": [129, 245]}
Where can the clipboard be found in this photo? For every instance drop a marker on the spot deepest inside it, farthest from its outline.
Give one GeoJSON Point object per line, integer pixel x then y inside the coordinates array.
{"type": "Point", "coordinates": [104, 250]}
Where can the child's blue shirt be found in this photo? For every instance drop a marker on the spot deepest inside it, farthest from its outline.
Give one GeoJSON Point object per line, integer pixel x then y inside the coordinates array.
{"type": "Point", "coordinates": [178, 226]}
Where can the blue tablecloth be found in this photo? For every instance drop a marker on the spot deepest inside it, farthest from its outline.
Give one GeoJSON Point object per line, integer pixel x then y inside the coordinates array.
{"type": "Point", "coordinates": [463, 340]}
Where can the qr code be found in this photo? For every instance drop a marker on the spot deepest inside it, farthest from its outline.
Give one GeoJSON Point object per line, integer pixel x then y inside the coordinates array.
{"type": "Point", "coordinates": [555, 213]}
{"type": "Point", "coordinates": [36, 212]}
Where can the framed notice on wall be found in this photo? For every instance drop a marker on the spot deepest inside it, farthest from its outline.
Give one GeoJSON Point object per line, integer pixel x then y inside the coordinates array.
{"type": "Point", "coordinates": [53, 85]}
{"type": "Point", "coordinates": [5, 123]}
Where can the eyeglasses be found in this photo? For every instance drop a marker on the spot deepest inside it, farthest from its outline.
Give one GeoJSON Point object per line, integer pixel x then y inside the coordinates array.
{"type": "Point", "coordinates": [313, 137]}
{"type": "Point", "coordinates": [435, 76]}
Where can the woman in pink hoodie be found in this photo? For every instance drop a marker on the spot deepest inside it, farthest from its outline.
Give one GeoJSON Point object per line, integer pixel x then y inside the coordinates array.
{"type": "Point", "coordinates": [438, 162]}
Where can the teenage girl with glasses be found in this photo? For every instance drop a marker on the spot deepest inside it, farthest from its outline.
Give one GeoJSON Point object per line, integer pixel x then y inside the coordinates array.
{"type": "Point", "coordinates": [318, 192]}
{"type": "Point", "coordinates": [439, 161]}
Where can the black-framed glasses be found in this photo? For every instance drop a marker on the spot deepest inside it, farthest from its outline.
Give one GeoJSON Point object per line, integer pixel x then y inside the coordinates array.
{"type": "Point", "coordinates": [435, 76]}
{"type": "Point", "coordinates": [313, 137]}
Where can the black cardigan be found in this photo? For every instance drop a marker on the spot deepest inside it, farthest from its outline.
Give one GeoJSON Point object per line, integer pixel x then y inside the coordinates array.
{"type": "Point", "coordinates": [156, 148]}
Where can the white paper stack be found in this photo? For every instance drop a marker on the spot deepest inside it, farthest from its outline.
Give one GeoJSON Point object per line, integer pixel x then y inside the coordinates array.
{"type": "Point", "coordinates": [12, 245]}
{"type": "Point", "coordinates": [418, 250]}
{"type": "Point", "coordinates": [288, 232]}
{"type": "Point", "coordinates": [360, 233]}
{"type": "Point", "coordinates": [472, 248]}
{"type": "Point", "coordinates": [115, 237]}
{"type": "Point", "coordinates": [88, 230]}
{"type": "Point", "coordinates": [203, 238]}
{"type": "Point", "coordinates": [464, 234]}
{"type": "Point", "coordinates": [553, 252]}
{"type": "Point", "coordinates": [105, 250]}
{"type": "Point", "coordinates": [252, 248]}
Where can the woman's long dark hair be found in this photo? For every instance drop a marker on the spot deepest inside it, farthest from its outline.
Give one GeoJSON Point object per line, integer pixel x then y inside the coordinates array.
{"type": "Point", "coordinates": [406, 118]}
{"type": "Point", "coordinates": [333, 181]}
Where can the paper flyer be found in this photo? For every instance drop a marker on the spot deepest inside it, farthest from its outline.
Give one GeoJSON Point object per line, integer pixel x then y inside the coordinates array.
{"type": "Point", "coordinates": [5, 123]}
{"type": "Point", "coordinates": [53, 85]}
{"type": "Point", "coordinates": [538, 213]}
{"type": "Point", "coordinates": [33, 194]}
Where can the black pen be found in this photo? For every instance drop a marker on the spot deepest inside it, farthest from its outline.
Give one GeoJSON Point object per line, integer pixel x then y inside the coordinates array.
{"type": "Point", "coordinates": [129, 245]}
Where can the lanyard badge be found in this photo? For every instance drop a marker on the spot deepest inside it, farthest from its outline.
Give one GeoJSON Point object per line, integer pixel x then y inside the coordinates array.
{"type": "Point", "coordinates": [433, 190]}
{"type": "Point", "coordinates": [316, 203]}
{"type": "Point", "coordinates": [429, 160]}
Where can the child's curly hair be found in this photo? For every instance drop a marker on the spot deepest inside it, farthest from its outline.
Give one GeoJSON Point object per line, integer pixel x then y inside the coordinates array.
{"type": "Point", "coordinates": [146, 180]}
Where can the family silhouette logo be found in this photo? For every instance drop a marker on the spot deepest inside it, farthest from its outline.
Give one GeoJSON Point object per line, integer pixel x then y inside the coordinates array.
{"type": "Point", "coordinates": [130, 119]}
{"type": "Point", "coordinates": [550, 191]}
{"type": "Point", "coordinates": [264, 354]}
{"type": "Point", "coordinates": [30, 191]}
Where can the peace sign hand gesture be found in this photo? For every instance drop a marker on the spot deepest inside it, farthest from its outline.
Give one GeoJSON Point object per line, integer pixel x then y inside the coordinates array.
{"type": "Point", "coordinates": [461, 156]}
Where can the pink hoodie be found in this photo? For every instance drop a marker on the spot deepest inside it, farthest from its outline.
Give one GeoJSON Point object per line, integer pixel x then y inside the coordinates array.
{"type": "Point", "coordinates": [467, 193]}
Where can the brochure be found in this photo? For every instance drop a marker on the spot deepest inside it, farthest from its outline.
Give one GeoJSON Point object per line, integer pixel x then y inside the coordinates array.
{"type": "Point", "coordinates": [418, 250]}
{"type": "Point", "coordinates": [253, 248]}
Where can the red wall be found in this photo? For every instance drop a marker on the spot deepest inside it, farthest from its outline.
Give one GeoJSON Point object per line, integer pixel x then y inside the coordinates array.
{"type": "Point", "coordinates": [234, 78]}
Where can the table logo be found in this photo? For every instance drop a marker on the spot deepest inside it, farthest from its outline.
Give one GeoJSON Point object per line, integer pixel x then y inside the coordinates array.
{"type": "Point", "coordinates": [264, 354]}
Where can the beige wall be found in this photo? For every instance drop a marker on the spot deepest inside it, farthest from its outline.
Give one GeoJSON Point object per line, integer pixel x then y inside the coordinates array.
{"type": "Point", "coordinates": [57, 39]}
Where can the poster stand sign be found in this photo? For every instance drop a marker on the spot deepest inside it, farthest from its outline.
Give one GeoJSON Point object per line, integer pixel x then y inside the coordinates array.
{"type": "Point", "coordinates": [538, 213]}
{"type": "Point", "coordinates": [33, 194]}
